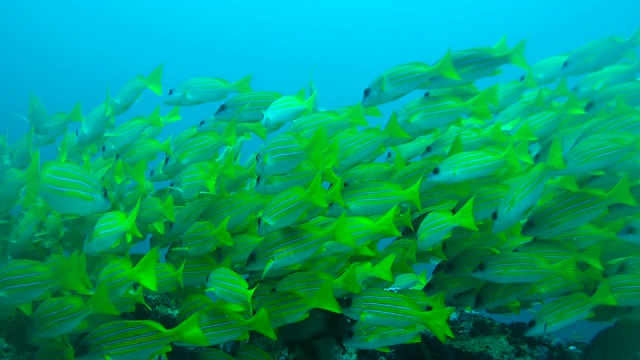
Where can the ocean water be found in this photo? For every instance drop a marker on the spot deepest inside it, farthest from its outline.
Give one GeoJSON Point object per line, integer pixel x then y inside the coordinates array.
{"type": "Point", "coordinates": [68, 51]}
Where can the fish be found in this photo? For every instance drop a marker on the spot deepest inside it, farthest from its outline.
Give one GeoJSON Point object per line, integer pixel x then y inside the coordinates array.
{"type": "Point", "coordinates": [132, 339]}
{"type": "Point", "coordinates": [205, 89]}
{"type": "Point", "coordinates": [400, 80]}
{"type": "Point", "coordinates": [598, 54]}
{"type": "Point", "coordinates": [219, 327]}
{"type": "Point", "coordinates": [66, 188]}
{"type": "Point", "coordinates": [567, 310]}
{"type": "Point", "coordinates": [263, 214]}
{"type": "Point", "coordinates": [131, 91]}
{"type": "Point", "coordinates": [385, 308]}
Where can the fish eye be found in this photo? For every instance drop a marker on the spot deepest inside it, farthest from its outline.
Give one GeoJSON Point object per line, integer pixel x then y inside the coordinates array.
{"type": "Point", "coordinates": [77, 133]}
{"type": "Point", "coordinates": [345, 184]}
{"type": "Point", "coordinates": [528, 224]}
{"type": "Point", "coordinates": [222, 108]}
{"type": "Point", "coordinates": [565, 64]}
{"type": "Point", "coordinates": [621, 269]}
{"type": "Point", "coordinates": [170, 226]}
{"type": "Point", "coordinates": [172, 184]}
{"type": "Point", "coordinates": [152, 172]}
{"type": "Point", "coordinates": [201, 123]}
{"type": "Point", "coordinates": [258, 179]}
{"type": "Point", "coordinates": [166, 160]}
{"type": "Point", "coordinates": [494, 215]}
{"type": "Point", "coordinates": [258, 157]}
{"type": "Point", "coordinates": [170, 92]}
{"type": "Point", "coordinates": [389, 155]}
{"type": "Point", "coordinates": [208, 276]}
{"type": "Point", "coordinates": [104, 148]}
{"type": "Point", "coordinates": [346, 302]}
{"type": "Point", "coordinates": [481, 267]}
{"type": "Point", "coordinates": [426, 94]}
{"type": "Point", "coordinates": [259, 221]}
{"type": "Point", "coordinates": [427, 149]}
{"type": "Point", "coordinates": [449, 267]}
{"type": "Point", "coordinates": [428, 308]}
{"type": "Point", "coordinates": [253, 257]}
{"type": "Point", "coordinates": [521, 78]}
{"type": "Point", "coordinates": [589, 106]}
{"type": "Point", "coordinates": [349, 334]}
{"type": "Point", "coordinates": [273, 290]}
{"type": "Point", "coordinates": [630, 230]}
{"type": "Point", "coordinates": [536, 158]}
{"type": "Point", "coordinates": [435, 171]}
{"type": "Point", "coordinates": [117, 156]}
{"type": "Point", "coordinates": [104, 192]}
{"type": "Point", "coordinates": [367, 92]}
{"type": "Point", "coordinates": [531, 323]}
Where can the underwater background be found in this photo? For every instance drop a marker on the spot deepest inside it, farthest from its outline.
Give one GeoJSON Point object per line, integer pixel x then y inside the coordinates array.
{"type": "Point", "coordinates": [70, 51]}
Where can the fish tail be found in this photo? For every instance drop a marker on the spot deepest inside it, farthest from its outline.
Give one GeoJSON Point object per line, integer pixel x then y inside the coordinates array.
{"type": "Point", "coordinates": [221, 231]}
{"type": "Point", "coordinates": [137, 171]}
{"type": "Point", "coordinates": [370, 111]}
{"type": "Point", "coordinates": [413, 194]}
{"type": "Point", "coordinates": [566, 269]}
{"type": "Point", "coordinates": [490, 95]}
{"type": "Point", "coordinates": [516, 55]}
{"type": "Point", "coordinates": [71, 273]}
{"type": "Point", "coordinates": [521, 153]}
{"type": "Point", "coordinates": [394, 130]}
{"type": "Point", "coordinates": [382, 270]}
{"type": "Point", "coordinates": [100, 301]}
{"type": "Point", "coordinates": [118, 172]}
{"type": "Point", "coordinates": [591, 256]}
{"type": "Point", "coordinates": [75, 115]}
{"type": "Point", "coordinates": [154, 119]}
{"type": "Point", "coordinates": [310, 103]}
{"type": "Point", "coordinates": [172, 116]}
{"type": "Point", "coordinates": [189, 332]}
{"type": "Point", "coordinates": [554, 159]}
{"type": "Point", "coordinates": [562, 89]}
{"type": "Point", "coordinates": [634, 39]}
{"type": "Point", "coordinates": [496, 134]}
{"type": "Point", "coordinates": [385, 225]}
{"type": "Point", "coordinates": [243, 85]}
{"type": "Point", "coordinates": [154, 80]}
{"type": "Point", "coordinates": [436, 321]}
{"type": "Point", "coordinates": [131, 221]}
{"type": "Point", "coordinates": [260, 322]}
{"type": "Point", "coordinates": [325, 300]}
{"type": "Point", "coordinates": [603, 295]}
{"type": "Point", "coordinates": [620, 193]}
{"type": "Point", "coordinates": [229, 134]}
{"type": "Point", "coordinates": [501, 46]}
{"type": "Point", "coordinates": [33, 176]}
{"type": "Point", "coordinates": [511, 157]}
{"type": "Point", "coordinates": [445, 68]}
{"type": "Point", "coordinates": [348, 281]}
{"type": "Point", "coordinates": [355, 115]}
{"type": "Point", "coordinates": [464, 217]}
{"type": "Point", "coordinates": [145, 270]}
{"type": "Point", "coordinates": [179, 277]}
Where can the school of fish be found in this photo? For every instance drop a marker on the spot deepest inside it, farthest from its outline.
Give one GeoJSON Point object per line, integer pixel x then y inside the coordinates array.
{"type": "Point", "coordinates": [523, 193]}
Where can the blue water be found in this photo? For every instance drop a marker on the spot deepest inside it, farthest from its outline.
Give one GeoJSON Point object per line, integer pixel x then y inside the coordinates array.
{"type": "Point", "coordinates": [68, 51]}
